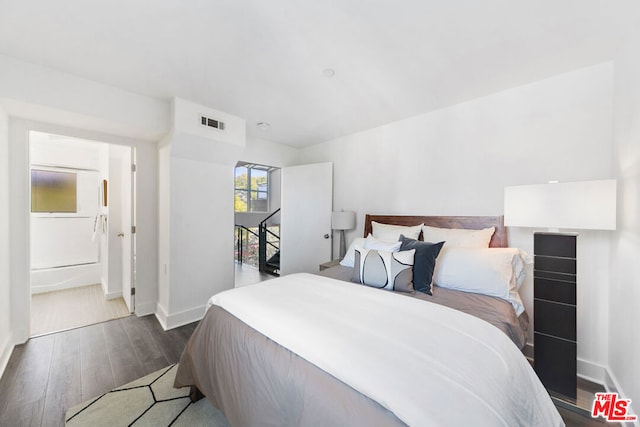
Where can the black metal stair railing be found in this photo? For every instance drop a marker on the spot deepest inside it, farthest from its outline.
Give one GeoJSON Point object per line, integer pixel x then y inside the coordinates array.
{"type": "Point", "coordinates": [242, 242]}
{"type": "Point", "coordinates": [268, 264]}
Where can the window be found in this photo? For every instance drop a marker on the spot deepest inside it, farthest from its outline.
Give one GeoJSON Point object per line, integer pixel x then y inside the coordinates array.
{"type": "Point", "coordinates": [251, 188]}
{"type": "Point", "coordinates": [53, 191]}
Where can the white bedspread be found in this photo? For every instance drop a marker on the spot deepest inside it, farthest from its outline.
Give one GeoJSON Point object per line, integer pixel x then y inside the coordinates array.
{"type": "Point", "coordinates": [428, 364]}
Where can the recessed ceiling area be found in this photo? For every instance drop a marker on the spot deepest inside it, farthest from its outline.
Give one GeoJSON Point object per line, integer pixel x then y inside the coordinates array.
{"type": "Point", "coordinates": [266, 61]}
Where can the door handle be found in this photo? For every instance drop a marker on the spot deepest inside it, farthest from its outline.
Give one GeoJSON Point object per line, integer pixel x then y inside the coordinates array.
{"type": "Point", "coordinates": [120, 234]}
{"type": "Point", "coordinates": [326, 236]}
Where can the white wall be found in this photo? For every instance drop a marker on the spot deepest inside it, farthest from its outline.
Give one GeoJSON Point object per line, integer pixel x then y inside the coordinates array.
{"type": "Point", "coordinates": [275, 189]}
{"type": "Point", "coordinates": [457, 161]}
{"type": "Point", "coordinates": [624, 335]}
{"type": "Point", "coordinates": [43, 94]}
{"type": "Point", "coordinates": [196, 236]}
{"type": "Point", "coordinates": [164, 225]}
{"type": "Point", "coordinates": [201, 246]}
{"type": "Point", "coordinates": [187, 118]}
{"type": "Point", "coordinates": [6, 342]}
{"type": "Point", "coordinates": [196, 230]}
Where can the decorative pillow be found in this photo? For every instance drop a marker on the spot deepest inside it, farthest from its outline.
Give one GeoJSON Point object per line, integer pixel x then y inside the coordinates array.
{"type": "Point", "coordinates": [391, 233]}
{"type": "Point", "coordinates": [424, 262]}
{"type": "Point", "coordinates": [458, 237]}
{"type": "Point", "coordinates": [349, 257]}
{"type": "Point", "coordinates": [381, 245]}
{"type": "Point", "coordinates": [488, 271]}
{"type": "Point", "coordinates": [385, 270]}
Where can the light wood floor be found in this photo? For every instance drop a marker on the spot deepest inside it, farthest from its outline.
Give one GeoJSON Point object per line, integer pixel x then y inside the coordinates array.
{"type": "Point", "coordinates": [72, 308]}
{"type": "Point", "coordinates": [248, 275]}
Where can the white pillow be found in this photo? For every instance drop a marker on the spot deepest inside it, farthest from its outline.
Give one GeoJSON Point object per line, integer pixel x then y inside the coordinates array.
{"type": "Point", "coordinates": [350, 256]}
{"type": "Point", "coordinates": [458, 237]}
{"type": "Point", "coordinates": [519, 266]}
{"type": "Point", "coordinates": [489, 271]}
{"type": "Point", "coordinates": [391, 233]}
{"type": "Point", "coordinates": [381, 245]}
{"type": "Point", "coordinates": [384, 270]}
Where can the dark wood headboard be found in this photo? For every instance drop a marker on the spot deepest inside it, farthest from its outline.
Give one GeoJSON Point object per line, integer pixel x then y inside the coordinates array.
{"type": "Point", "coordinates": [498, 240]}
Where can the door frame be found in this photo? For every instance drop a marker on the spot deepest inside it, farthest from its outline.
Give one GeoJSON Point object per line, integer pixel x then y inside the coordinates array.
{"type": "Point", "coordinates": [19, 213]}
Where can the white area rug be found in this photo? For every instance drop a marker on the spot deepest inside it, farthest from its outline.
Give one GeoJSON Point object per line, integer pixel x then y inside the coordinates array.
{"type": "Point", "coordinates": [148, 401]}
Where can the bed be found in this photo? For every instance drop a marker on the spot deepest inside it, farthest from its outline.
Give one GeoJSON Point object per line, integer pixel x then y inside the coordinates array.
{"type": "Point", "coordinates": [307, 350]}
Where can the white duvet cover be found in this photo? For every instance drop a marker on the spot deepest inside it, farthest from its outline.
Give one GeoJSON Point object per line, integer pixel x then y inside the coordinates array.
{"type": "Point", "coordinates": [428, 364]}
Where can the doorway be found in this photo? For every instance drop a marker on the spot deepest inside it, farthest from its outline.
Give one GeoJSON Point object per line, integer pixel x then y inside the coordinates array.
{"type": "Point", "coordinates": [257, 222]}
{"type": "Point", "coordinates": [82, 268]}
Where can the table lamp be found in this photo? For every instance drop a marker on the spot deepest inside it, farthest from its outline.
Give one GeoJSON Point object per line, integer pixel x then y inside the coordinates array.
{"type": "Point", "coordinates": [343, 220]}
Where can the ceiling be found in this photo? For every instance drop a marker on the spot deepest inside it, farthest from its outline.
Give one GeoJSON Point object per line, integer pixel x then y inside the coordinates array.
{"type": "Point", "coordinates": [263, 60]}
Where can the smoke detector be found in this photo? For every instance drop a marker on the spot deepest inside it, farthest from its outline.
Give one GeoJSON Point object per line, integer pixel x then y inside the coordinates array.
{"type": "Point", "coordinates": [263, 126]}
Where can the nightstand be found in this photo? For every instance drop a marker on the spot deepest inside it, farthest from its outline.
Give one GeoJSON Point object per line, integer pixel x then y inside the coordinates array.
{"type": "Point", "coordinates": [329, 264]}
{"type": "Point", "coordinates": [554, 311]}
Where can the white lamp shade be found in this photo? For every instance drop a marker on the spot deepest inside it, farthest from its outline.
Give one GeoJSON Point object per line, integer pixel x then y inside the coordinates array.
{"type": "Point", "coordinates": [575, 205]}
{"type": "Point", "coordinates": [343, 220]}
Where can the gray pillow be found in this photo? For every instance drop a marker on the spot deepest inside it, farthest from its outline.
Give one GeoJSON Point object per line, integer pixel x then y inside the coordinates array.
{"type": "Point", "coordinates": [424, 262]}
{"type": "Point", "coordinates": [370, 268]}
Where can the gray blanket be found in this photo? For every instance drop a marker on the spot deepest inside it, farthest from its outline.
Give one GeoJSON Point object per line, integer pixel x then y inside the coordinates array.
{"type": "Point", "coordinates": [256, 382]}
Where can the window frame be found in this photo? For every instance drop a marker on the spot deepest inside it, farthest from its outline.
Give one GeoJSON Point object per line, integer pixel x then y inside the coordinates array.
{"type": "Point", "coordinates": [249, 191]}
{"type": "Point", "coordinates": [39, 207]}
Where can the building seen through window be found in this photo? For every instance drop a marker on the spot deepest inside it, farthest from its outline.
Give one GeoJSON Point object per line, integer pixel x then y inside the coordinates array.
{"type": "Point", "coordinates": [251, 188]}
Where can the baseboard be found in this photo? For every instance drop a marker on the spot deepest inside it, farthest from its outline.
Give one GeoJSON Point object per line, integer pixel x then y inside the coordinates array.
{"type": "Point", "coordinates": [57, 287]}
{"type": "Point", "coordinates": [145, 308]}
{"type": "Point", "coordinates": [6, 350]}
{"type": "Point", "coordinates": [112, 295]}
{"type": "Point", "coordinates": [591, 371]}
{"type": "Point", "coordinates": [161, 315]}
{"type": "Point", "coordinates": [174, 320]}
{"type": "Point", "coordinates": [612, 385]}
{"type": "Point", "coordinates": [587, 370]}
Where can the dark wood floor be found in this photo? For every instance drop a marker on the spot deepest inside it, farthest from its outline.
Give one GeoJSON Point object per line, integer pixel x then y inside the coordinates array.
{"type": "Point", "coordinates": [49, 374]}
{"type": "Point", "coordinates": [572, 419]}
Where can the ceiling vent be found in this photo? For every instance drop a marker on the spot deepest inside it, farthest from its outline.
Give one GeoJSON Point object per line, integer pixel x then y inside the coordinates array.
{"type": "Point", "coordinates": [212, 123]}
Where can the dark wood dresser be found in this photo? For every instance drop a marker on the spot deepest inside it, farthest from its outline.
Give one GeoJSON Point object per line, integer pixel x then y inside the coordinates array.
{"type": "Point", "coordinates": [554, 311]}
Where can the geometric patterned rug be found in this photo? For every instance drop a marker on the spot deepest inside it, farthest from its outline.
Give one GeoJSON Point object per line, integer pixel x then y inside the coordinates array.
{"type": "Point", "coordinates": [148, 401]}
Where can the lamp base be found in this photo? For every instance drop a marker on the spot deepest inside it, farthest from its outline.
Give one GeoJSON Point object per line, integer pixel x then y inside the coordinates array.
{"type": "Point", "coordinates": [343, 247]}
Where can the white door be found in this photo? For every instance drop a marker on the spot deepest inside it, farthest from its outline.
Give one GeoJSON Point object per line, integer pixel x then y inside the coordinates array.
{"type": "Point", "coordinates": [128, 238]}
{"type": "Point", "coordinates": [305, 217]}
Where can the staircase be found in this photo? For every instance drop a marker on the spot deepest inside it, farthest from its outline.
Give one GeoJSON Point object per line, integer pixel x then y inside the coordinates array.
{"type": "Point", "coordinates": [269, 244]}
{"type": "Point", "coordinates": [273, 264]}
